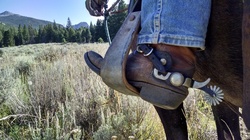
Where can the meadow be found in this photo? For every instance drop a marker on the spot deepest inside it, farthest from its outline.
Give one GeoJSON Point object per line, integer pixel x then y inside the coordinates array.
{"type": "Point", "coordinates": [48, 92]}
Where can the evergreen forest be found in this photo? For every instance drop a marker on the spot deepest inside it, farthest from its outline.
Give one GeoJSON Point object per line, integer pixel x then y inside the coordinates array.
{"type": "Point", "coordinates": [55, 33]}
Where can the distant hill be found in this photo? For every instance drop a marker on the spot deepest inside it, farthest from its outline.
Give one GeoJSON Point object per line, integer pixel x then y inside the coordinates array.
{"type": "Point", "coordinates": [13, 19]}
{"type": "Point", "coordinates": [81, 24]}
{"type": "Point", "coordinates": [4, 26]}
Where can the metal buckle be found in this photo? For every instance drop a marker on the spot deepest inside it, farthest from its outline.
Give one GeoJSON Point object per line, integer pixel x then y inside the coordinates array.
{"type": "Point", "coordinates": [139, 50]}
{"type": "Point", "coordinates": [149, 52]}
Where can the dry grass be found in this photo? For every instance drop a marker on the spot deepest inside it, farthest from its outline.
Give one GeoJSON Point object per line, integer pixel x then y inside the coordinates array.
{"type": "Point", "coordinates": [48, 92]}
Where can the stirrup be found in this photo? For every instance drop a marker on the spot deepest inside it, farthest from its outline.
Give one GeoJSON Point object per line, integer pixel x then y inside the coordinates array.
{"type": "Point", "coordinates": [114, 62]}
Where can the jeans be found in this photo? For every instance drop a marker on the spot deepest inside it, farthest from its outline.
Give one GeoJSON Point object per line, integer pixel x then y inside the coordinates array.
{"type": "Point", "coordinates": [174, 22]}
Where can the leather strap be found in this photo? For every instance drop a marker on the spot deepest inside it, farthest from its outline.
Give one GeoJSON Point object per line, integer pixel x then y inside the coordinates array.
{"type": "Point", "coordinates": [149, 52]}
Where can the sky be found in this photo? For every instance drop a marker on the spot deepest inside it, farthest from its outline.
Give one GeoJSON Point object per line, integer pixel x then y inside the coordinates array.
{"type": "Point", "coordinates": [51, 10]}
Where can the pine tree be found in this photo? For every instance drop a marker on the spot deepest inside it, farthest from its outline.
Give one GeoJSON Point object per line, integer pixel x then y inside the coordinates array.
{"type": "Point", "coordinates": [7, 39]}
{"type": "Point", "coordinates": [83, 35]}
{"type": "Point", "coordinates": [88, 35]}
{"type": "Point", "coordinates": [25, 35]}
{"type": "Point", "coordinates": [11, 35]}
{"type": "Point", "coordinates": [92, 31]}
{"type": "Point", "coordinates": [39, 38]}
{"type": "Point", "coordinates": [55, 25]}
{"type": "Point", "coordinates": [116, 20]}
{"type": "Point", "coordinates": [66, 34]}
{"type": "Point", "coordinates": [69, 25]}
{"type": "Point", "coordinates": [1, 38]}
{"type": "Point", "coordinates": [56, 33]}
{"type": "Point", "coordinates": [72, 37]}
{"type": "Point", "coordinates": [44, 35]}
{"type": "Point", "coordinates": [78, 35]}
{"type": "Point", "coordinates": [100, 30]}
{"type": "Point", "coordinates": [32, 34]}
{"type": "Point", "coordinates": [20, 36]}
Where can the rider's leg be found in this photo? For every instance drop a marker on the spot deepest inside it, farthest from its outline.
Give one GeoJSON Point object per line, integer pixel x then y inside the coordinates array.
{"type": "Point", "coordinates": [175, 27]}
{"type": "Point", "coordinates": [174, 22]}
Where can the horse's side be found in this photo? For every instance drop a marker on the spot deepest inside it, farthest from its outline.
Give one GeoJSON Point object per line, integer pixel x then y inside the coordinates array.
{"type": "Point", "coordinates": [222, 62]}
{"type": "Point", "coordinates": [222, 59]}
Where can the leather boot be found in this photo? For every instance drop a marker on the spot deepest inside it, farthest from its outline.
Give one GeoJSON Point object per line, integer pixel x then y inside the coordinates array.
{"type": "Point", "coordinates": [162, 92]}
{"type": "Point", "coordinates": [162, 87]}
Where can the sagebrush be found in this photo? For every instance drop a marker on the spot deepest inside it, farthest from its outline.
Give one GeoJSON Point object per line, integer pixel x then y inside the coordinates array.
{"type": "Point", "coordinates": [48, 92]}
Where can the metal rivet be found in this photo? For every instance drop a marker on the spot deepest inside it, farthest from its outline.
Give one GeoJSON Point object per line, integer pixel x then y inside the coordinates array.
{"type": "Point", "coordinates": [132, 17]}
{"type": "Point", "coordinates": [176, 79]}
{"type": "Point", "coordinates": [163, 61]}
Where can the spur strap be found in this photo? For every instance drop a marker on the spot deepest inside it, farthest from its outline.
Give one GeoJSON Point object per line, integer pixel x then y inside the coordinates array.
{"type": "Point", "coordinates": [154, 57]}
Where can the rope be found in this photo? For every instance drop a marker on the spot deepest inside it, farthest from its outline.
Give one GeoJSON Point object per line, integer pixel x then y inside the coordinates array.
{"type": "Point", "coordinates": [106, 15]}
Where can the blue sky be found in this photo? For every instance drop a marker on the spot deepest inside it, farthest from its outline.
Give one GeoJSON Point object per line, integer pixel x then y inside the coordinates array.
{"type": "Point", "coordinates": [50, 10]}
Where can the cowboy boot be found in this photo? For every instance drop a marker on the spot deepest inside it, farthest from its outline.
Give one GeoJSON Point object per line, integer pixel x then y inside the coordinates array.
{"type": "Point", "coordinates": [164, 87]}
{"type": "Point", "coordinates": [160, 75]}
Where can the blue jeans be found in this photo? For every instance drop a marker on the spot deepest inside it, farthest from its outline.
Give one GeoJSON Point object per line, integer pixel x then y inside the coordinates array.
{"type": "Point", "coordinates": [174, 22]}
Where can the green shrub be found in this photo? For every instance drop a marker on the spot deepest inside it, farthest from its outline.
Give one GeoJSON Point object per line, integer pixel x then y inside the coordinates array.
{"type": "Point", "coordinates": [24, 68]}
{"type": "Point", "coordinates": [100, 40]}
{"type": "Point", "coordinates": [64, 41]}
{"type": "Point", "coordinates": [1, 53]}
{"type": "Point", "coordinates": [201, 125]}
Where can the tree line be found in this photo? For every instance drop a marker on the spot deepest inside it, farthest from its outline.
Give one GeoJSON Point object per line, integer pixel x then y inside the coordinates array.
{"type": "Point", "coordinates": [50, 33]}
{"type": "Point", "coordinates": [26, 34]}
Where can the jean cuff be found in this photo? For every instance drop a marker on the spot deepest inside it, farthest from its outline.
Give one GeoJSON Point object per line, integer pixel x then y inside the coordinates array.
{"type": "Point", "coordinates": [175, 40]}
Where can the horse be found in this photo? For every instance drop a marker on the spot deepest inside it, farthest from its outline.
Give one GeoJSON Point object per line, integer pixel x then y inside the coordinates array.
{"type": "Point", "coordinates": [222, 61]}
{"type": "Point", "coordinates": [225, 60]}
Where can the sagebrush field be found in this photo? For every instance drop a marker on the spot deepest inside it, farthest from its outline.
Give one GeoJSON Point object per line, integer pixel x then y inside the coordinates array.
{"type": "Point", "coordinates": [48, 92]}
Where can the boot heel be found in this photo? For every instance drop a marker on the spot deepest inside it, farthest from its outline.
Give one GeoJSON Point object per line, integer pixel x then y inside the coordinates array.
{"type": "Point", "coordinates": [162, 97]}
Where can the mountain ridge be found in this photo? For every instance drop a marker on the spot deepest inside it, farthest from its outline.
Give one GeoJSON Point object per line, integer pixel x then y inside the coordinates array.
{"type": "Point", "coordinates": [15, 20]}
{"type": "Point", "coordinates": [81, 24]}
{"type": "Point", "coordinates": [6, 13]}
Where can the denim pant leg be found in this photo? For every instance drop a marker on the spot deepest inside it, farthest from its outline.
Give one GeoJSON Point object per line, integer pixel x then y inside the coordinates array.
{"type": "Point", "coordinates": [174, 22]}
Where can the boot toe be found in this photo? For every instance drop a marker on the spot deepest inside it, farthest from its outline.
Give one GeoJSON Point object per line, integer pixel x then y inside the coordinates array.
{"type": "Point", "coordinates": [94, 61]}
